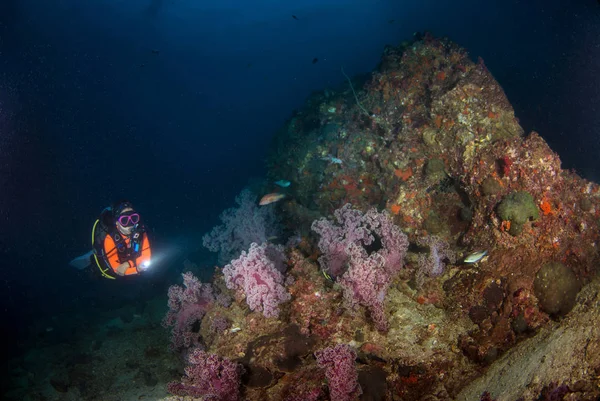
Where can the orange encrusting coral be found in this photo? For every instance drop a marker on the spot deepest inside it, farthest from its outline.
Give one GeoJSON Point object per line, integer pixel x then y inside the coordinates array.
{"type": "Point", "coordinates": [404, 174]}
{"type": "Point", "coordinates": [546, 207]}
{"type": "Point", "coordinates": [505, 225]}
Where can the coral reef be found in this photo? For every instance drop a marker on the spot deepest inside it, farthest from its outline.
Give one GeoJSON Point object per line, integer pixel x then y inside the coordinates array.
{"type": "Point", "coordinates": [427, 153]}
{"type": "Point", "coordinates": [432, 138]}
{"type": "Point", "coordinates": [560, 358]}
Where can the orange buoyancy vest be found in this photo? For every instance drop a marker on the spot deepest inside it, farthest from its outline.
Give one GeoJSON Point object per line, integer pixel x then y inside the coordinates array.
{"type": "Point", "coordinates": [114, 260]}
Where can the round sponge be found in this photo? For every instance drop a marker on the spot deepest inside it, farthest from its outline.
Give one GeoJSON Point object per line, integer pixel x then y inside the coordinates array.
{"type": "Point", "coordinates": [556, 287]}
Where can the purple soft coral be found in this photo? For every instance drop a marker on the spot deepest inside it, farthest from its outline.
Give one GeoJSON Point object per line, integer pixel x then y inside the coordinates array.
{"type": "Point", "coordinates": [340, 371]}
{"type": "Point", "coordinates": [365, 283]}
{"type": "Point", "coordinates": [241, 226]}
{"type": "Point", "coordinates": [432, 264]}
{"type": "Point", "coordinates": [335, 238]}
{"type": "Point", "coordinates": [364, 276]}
{"type": "Point", "coordinates": [187, 305]}
{"type": "Point", "coordinates": [209, 377]}
{"type": "Point", "coordinates": [257, 273]}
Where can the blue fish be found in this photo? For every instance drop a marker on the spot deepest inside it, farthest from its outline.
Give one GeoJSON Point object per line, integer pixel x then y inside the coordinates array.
{"type": "Point", "coordinates": [283, 183]}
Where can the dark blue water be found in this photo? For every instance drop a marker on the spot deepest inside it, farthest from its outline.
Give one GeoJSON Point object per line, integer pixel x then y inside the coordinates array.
{"type": "Point", "coordinates": [173, 104]}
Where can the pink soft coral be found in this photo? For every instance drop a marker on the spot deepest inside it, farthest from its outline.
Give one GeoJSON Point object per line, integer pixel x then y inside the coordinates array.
{"type": "Point", "coordinates": [340, 371]}
{"type": "Point", "coordinates": [187, 306]}
{"type": "Point", "coordinates": [209, 377]}
{"type": "Point", "coordinates": [366, 251]}
{"type": "Point", "coordinates": [258, 275]}
{"type": "Point", "coordinates": [241, 226]}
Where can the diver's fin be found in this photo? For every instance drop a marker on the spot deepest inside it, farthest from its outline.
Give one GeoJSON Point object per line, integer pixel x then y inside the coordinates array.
{"type": "Point", "coordinates": [82, 261]}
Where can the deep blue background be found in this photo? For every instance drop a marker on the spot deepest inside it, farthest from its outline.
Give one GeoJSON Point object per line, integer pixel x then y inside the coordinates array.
{"type": "Point", "coordinates": [172, 104]}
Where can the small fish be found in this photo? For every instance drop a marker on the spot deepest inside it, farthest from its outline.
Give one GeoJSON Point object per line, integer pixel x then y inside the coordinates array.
{"type": "Point", "coordinates": [155, 51]}
{"type": "Point", "coordinates": [294, 17]}
{"type": "Point", "coordinates": [332, 160]}
{"type": "Point", "coordinates": [283, 183]}
{"type": "Point", "coordinates": [235, 329]}
{"type": "Point", "coordinates": [391, 21]}
{"type": "Point", "coordinates": [327, 276]}
{"type": "Point", "coordinates": [475, 257]}
{"type": "Point", "coordinates": [315, 60]}
{"type": "Point", "coordinates": [271, 198]}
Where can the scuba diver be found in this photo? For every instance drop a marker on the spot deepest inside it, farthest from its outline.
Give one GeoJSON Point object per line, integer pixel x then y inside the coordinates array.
{"type": "Point", "coordinates": [120, 244]}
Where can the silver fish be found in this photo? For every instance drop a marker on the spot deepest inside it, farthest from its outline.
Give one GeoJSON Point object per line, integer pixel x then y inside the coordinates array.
{"type": "Point", "coordinates": [475, 257]}
{"type": "Point", "coordinates": [332, 160]}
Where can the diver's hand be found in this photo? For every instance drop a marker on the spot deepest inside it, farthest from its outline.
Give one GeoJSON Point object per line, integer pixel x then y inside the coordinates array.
{"type": "Point", "coordinates": [142, 267]}
{"type": "Point", "coordinates": [122, 268]}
